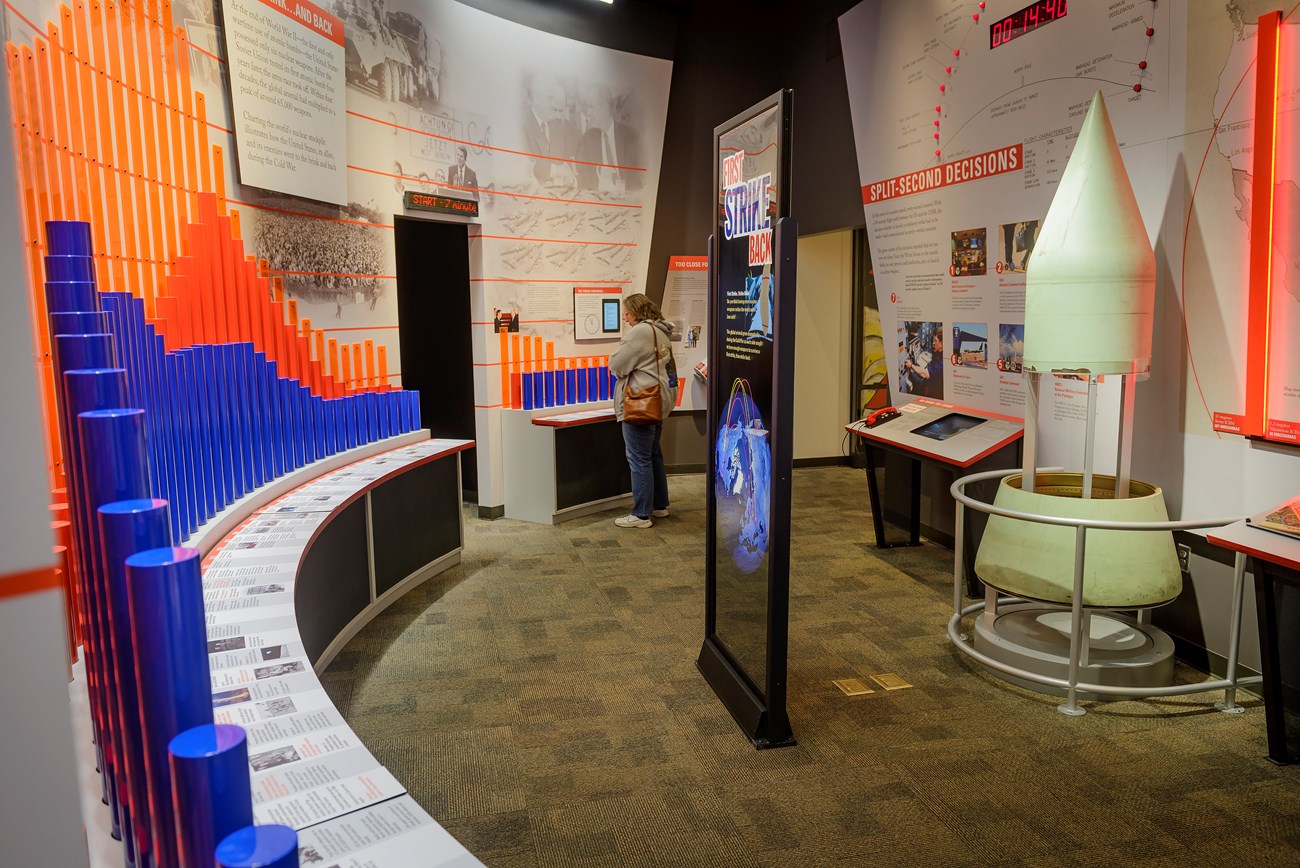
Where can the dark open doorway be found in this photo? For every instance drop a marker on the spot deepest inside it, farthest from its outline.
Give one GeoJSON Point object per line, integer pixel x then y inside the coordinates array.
{"type": "Point", "coordinates": [435, 324]}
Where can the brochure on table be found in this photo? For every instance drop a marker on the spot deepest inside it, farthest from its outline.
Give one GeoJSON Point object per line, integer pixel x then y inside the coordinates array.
{"type": "Point", "coordinates": [945, 432]}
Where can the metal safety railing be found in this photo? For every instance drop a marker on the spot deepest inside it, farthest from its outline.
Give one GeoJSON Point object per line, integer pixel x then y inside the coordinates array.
{"type": "Point", "coordinates": [1078, 641]}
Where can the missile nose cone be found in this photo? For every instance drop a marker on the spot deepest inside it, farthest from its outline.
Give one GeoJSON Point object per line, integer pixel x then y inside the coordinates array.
{"type": "Point", "coordinates": [1090, 286]}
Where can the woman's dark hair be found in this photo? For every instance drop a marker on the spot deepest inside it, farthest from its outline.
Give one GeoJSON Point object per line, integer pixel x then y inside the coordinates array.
{"type": "Point", "coordinates": [641, 307]}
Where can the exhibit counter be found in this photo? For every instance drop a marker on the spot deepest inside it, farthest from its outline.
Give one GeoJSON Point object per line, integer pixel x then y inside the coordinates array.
{"type": "Point", "coordinates": [290, 574]}
{"type": "Point", "coordinates": [560, 466]}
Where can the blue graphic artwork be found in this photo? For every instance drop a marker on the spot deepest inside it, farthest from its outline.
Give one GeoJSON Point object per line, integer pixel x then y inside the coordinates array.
{"type": "Point", "coordinates": [742, 485]}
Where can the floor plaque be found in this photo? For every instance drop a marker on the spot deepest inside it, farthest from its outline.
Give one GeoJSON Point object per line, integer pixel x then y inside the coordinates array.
{"type": "Point", "coordinates": [853, 686]}
{"type": "Point", "coordinates": [890, 681]}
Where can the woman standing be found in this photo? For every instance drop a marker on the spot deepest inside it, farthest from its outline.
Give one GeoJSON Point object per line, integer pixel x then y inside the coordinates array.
{"type": "Point", "coordinates": [644, 357]}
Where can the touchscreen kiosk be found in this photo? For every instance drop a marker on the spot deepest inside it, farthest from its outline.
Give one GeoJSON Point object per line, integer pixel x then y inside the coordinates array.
{"type": "Point", "coordinates": [948, 426]}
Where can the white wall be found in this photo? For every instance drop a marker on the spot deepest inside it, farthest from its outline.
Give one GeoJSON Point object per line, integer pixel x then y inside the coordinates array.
{"type": "Point", "coordinates": [822, 348]}
{"type": "Point", "coordinates": [40, 821]}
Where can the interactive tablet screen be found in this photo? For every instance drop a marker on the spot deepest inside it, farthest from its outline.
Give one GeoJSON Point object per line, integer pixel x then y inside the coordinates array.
{"type": "Point", "coordinates": [610, 310]}
{"type": "Point", "coordinates": [948, 426]}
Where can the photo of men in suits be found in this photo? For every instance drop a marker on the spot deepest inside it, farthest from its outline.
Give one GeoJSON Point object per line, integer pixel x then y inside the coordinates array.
{"type": "Point", "coordinates": [548, 131]}
{"type": "Point", "coordinates": [461, 178]}
{"type": "Point", "coordinates": [609, 154]}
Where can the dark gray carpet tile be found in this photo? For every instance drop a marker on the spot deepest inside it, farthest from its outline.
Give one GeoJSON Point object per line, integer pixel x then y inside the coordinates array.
{"type": "Point", "coordinates": [541, 700]}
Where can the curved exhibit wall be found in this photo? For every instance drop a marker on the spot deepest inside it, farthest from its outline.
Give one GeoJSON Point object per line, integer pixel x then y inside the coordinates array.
{"type": "Point", "coordinates": [333, 121]}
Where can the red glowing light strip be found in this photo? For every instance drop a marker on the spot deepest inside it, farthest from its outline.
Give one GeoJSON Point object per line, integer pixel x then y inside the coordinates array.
{"type": "Point", "coordinates": [1268, 38]}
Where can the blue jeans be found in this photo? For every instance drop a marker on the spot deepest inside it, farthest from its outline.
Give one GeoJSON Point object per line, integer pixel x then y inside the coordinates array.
{"type": "Point", "coordinates": [646, 461]}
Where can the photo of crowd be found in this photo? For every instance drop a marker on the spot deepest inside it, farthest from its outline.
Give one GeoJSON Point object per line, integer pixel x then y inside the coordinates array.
{"type": "Point", "coordinates": [322, 260]}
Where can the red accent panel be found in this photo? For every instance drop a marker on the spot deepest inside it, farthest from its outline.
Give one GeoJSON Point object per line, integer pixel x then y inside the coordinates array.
{"type": "Point", "coordinates": [1268, 42]}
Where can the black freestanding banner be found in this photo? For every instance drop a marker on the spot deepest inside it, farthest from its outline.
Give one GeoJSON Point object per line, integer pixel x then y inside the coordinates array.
{"type": "Point", "coordinates": [751, 402]}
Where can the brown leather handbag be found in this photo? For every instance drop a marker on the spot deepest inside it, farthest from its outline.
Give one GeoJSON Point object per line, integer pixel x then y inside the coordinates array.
{"type": "Point", "coordinates": [645, 406]}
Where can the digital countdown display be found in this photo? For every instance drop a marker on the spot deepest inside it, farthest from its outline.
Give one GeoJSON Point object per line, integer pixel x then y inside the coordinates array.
{"type": "Point", "coordinates": [1032, 17]}
{"type": "Point", "coordinates": [439, 204]}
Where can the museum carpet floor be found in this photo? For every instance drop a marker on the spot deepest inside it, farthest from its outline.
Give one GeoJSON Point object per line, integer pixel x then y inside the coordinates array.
{"type": "Point", "coordinates": [541, 701]}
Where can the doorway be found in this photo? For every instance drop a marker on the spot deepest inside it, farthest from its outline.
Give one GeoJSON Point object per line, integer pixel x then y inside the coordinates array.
{"type": "Point", "coordinates": [436, 329]}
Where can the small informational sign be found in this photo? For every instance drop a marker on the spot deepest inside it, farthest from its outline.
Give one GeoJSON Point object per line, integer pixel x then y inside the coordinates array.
{"type": "Point", "coordinates": [439, 204]}
{"type": "Point", "coordinates": [597, 313]}
{"type": "Point", "coordinates": [286, 93]}
{"type": "Point", "coordinates": [686, 306]}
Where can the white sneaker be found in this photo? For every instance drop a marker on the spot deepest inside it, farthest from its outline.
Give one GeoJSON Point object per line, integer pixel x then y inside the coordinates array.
{"type": "Point", "coordinates": [633, 521]}
{"type": "Point", "coordinates": [660, 513]}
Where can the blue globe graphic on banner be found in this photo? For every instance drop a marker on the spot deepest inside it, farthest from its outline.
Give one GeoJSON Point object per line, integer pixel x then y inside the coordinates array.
{"type": "Point", "coordinates": [743, 480]}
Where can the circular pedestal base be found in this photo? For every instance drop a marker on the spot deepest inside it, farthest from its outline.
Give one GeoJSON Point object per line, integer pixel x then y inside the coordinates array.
{"type": "Point", "coordinates": [1036, 639]}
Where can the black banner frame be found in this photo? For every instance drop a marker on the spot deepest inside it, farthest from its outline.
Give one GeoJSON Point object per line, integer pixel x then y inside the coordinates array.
{"type": "Point", "coordinates": [759, 710]}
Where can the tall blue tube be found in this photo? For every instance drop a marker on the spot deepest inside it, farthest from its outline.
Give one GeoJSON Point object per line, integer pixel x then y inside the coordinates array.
{"type": "Point", "coordinates": [63, 268]}
{"type": "Point", "coordinates": [414, 399]}
{"type": "Point", "coordinates": [171, 661]}
{"type": "Point", "coordinates": [79, 323]}
{"type": "Point", "coordinates": [68, 238]}
{"type": "Point", "coordinates": [307, 433]}
{"type": "Point", "coordinates": [259, 847]}
{"type": "Point", "coordinates": [91, 390]}
{"type": "Point", "coordinates": [212, 795]}
{"type": "Point", "coordinates": [113, 467]}
{"type": "Point", "coordinates": [127, 527]}
{"type": "Point", "coordinates": [71, 295]}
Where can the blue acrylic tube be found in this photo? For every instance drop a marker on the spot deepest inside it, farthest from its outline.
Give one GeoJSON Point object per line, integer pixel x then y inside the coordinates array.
{"type": "Point", "coordinates": [571, 386]}
{"type": "Point", "coordinates": [527, 390]}
{"type": "Point", "coordinates": [192, 423]}
{"type": "Point", "coordinates": [413, 398]}
{"type": "Point", "coordinates": [302, 395]}
{"type": "Point", "coordinates": [213, 425]}
{"type": "Point", "coordinates": [350, 421]}
{"type": "Point", "coordinates": [71, 295]}
{"type": "Point", "coordinates": [606, 383]}
{"type": "Point", "coordinates": [259, 847]}
{"type": "Point", "coordinates": [166, 430]}
{"type": "Point", "coordinates": [246, 359]}
{"type": "Point", "coordinates": [113, 467]}
{"type": "Point", "coordinates": [74, 352]}
{"type": "Point", "coordinates": [292, 447]}
{"type": "Point", "coordinates": [212, 795]}
{"type": "Point", "coordinates": [262, 423]}
{"type": "Point", "coordinates": [318, 426]}
{"type": "Point", "coordinates": [78, 352]}
{"type": "Point", "coordinates": [391, 403]}
{"type": "Point", "coordinates": [169, 639]}
{"type": "Point", "coordinates": [79, 323]}
{"type": "Point", "coordinates": [283, 421]}
{"type": "Point", "coordinates": [241, 469]}
{"type": "Point", "coordinates": [371, 402]}
{"type": "Point", "coordinates": [270, 423]}
{"type": "Point", "coordinates": [398, 411]}
{"type": "Point", "coordinates": [69, 268]}
{"type": "Point", "coordinates": [127, 527]}
{"type": "Point", "coordinates": [225, 412]}
{"type": "Point", "coordinates": [83, 390]}
{"type": "Point", "coordinates": [549, 387]}
{"type": "Point", "coordinates": [180, 440]}
{"type": "Point", "coordinates": [68, 238]}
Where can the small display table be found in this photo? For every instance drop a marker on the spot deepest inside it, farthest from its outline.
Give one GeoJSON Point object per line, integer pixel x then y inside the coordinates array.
{"type": "Point", "coordinates": [1275, 561]}
{"type": "Point", "coordinates": [945, 436]}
